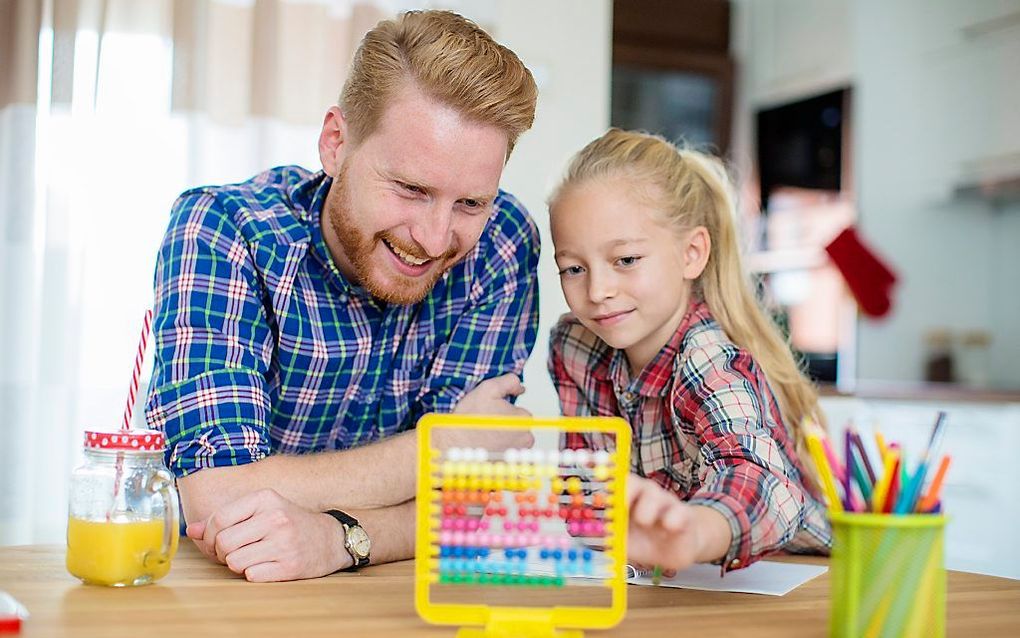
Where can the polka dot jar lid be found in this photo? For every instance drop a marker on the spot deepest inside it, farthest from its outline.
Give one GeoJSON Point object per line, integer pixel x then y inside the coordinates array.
{"type": "Point", "coordinates": [136, 440]}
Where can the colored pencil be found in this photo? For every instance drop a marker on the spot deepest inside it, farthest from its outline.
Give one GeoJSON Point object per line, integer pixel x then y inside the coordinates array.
{"type": "Point", "coordinates": [894, 482]}
{"type": "Point", "coordinates": [883, 450]}
{"type": "Point", "coordinates": [932, 497]}
{"type": "Point", "coordinates": [859, 444]}
{"type": "Point", "coordinates": [817, 451]}
{"type": "Point", "coordinates": [885, 482]}
{"type": "Point", "coordinates": [863, 482]}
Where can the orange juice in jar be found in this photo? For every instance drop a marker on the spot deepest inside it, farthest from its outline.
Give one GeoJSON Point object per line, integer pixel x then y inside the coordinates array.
{"type": "Point", "coordinates": [122, 526]}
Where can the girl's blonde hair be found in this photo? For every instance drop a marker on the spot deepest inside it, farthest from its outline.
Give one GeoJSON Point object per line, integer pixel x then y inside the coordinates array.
{"type": "Point", "coordinates": [693, 189]}
{"type": "Point", "coordinates": [450, 59]}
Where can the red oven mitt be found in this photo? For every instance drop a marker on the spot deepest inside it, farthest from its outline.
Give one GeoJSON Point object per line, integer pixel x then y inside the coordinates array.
{"type": "Point", "coordinates": [869, 278]}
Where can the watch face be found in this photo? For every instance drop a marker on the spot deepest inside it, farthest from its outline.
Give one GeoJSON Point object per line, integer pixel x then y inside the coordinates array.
{"type": "Point", "coordinates": [358, 542]}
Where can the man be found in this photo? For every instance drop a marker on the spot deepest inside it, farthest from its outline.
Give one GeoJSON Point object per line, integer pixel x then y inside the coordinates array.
{"type": "Point", "coordinates": [304, 322]}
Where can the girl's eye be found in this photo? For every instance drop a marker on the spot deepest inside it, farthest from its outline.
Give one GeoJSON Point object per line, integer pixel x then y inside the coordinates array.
{"type": "Point", "coordinates": [629, 260]}
{"type": "Point", "coordinates": [571, 271]}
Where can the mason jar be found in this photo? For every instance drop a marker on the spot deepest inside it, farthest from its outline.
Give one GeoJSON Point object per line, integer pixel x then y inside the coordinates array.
{"type": "Point", "coordinates": [122, 525]}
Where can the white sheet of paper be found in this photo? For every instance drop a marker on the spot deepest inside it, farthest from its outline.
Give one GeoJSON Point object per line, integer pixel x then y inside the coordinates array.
{"type": "Point", "coordinates": [764, 577]}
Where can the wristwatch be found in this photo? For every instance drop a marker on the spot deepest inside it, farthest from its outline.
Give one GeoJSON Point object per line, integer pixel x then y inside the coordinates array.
{"type": "Point", "coordinates": [356, 539]}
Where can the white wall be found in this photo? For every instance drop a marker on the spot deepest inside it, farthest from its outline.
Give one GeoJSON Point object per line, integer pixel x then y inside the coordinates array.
{"type": "Point", "coordinates": [568, 46]}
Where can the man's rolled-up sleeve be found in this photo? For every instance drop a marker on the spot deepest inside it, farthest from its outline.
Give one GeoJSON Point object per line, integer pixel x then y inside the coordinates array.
{"type": "Point", "coordinates": [213, 343]}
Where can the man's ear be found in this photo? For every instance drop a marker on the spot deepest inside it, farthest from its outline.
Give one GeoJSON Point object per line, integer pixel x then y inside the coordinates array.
{"type": "Point", "coordinates": [333, 141]}
{"type": "Point", "coordinates": [697, 244]}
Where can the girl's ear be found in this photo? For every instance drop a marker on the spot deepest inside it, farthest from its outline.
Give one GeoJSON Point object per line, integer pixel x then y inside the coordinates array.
{"type": "Point", "coordinates": [697, 244]}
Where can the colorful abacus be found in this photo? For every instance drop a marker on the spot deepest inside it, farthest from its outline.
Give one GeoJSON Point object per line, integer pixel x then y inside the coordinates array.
{"type": "Point", "coordinates": [533, 518]}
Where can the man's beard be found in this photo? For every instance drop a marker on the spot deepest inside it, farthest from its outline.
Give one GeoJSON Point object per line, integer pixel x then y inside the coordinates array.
{"type": "Point", "coordinates": [393, 287]}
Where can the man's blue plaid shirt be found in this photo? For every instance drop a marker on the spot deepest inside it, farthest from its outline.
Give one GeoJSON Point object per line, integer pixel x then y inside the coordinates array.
{"type": "Point", "coordinates": [262, 346]}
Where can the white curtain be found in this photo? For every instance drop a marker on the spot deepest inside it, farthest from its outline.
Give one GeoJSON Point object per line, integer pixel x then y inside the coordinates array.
{"type": "Point", "coordinates": [108, 110]}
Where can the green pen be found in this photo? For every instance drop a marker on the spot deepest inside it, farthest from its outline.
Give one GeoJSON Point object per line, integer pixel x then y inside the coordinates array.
{"type": "Point", "coordinates": [656, 575]}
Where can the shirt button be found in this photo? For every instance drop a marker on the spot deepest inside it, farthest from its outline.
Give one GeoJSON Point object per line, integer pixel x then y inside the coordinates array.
{"type": "Point", "coordinates": [735, 563]}
{"type": "Point", "coordinates": [628, 396]}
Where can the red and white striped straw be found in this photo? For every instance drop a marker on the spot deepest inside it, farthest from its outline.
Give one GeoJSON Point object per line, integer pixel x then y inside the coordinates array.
{"type": "Point", "coordinates": [139, 358]}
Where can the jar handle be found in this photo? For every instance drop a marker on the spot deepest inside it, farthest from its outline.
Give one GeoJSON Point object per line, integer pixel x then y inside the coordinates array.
{"type": "Point", "coordinates": [163, 485]}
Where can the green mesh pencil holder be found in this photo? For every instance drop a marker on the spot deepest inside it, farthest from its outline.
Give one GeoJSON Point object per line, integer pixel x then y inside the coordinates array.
{"type": "Point", "coordinates": [888, 577]}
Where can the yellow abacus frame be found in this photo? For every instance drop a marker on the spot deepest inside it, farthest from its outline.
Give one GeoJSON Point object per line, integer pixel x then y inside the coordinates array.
{"type": "Point", "coordinates": [511, 620]}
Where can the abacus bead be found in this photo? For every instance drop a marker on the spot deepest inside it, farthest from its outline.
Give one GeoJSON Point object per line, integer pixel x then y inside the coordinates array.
{"type": "Point", "coordinates": [586, 555]}
{"type": "Point", "coordinates": [601, 472]}
{"type": "Point", "coordinates": [472, 525]}
{"type": "Point", "coordinates": [454, 454]}
{"type": "Point", "coordinates": [601, 457]}
{"type": "Point", "coordinates": [572, 555]}
{"type": "Point", "coordinates": [557, 485]}
{"type": "Point", "coordinates": [582, 457]}
{"type": "Point", "coordinates": [573, 485]}
{"type": "Point", "coordinates": [567, 457]}
{"type": "Point", "coordinates": [507, 526]}
{"type": "Point", "coordinates": [483, 525]}
{"type": "Point", "coordinates": [511, 455]}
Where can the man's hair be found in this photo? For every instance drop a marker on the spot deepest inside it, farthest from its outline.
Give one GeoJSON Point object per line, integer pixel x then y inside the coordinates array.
{"type": "Point", "coordinates": [450, 59]}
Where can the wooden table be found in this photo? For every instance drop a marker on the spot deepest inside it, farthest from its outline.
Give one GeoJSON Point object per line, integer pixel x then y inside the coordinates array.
{"type": "Point", "coordinates": [199, 599]}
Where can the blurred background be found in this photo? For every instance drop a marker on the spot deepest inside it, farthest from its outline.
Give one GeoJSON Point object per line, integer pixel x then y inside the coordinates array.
{"type": "Point", "coordinates": [896, 120]}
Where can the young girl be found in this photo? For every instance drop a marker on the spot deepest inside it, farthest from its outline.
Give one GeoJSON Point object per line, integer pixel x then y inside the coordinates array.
{"type": "Point", "coordinates": [665, 332]}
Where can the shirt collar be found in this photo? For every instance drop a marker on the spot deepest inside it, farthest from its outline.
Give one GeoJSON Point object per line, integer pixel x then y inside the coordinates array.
{"type": "Point", "coordinates": [654, 379]}
{"type": "Point", "coordinates": [308, 198]}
